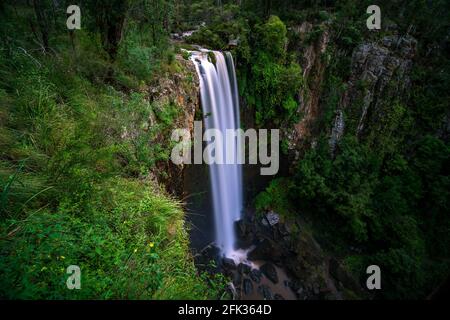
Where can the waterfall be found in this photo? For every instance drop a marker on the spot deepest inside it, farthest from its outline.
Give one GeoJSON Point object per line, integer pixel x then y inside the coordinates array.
{"type": "Point", "coordinates": [220, 105]}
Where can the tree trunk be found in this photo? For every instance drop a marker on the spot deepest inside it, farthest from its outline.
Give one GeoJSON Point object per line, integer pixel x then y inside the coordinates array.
{"type": "Point", "coordinates": [267, 8]}
{"type": "Point", "coordinates": [42, 23]}
{"type": "Point", "coordinates": [110, 19]}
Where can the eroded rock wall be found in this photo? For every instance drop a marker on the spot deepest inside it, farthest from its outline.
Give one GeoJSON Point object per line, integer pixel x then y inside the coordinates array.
{"type": "Point", "coordinates": [313, 69]}
{"type": "Point", "coordinates": [380, 73]}
{"type": "Point", "coordinates": [181, 88]}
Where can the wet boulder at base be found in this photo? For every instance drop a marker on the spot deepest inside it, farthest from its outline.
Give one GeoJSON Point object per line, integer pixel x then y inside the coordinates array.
{"type": "Point", "coordinates": [270, 272]}
{"type": "Point", "coordinates": [247, 286]}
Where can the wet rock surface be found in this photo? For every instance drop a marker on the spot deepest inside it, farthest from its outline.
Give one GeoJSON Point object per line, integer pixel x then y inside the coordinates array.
{"type": "Point", "coordinates": [266, 249]}
{"type": "Point", "coordinates": [256, 275]}
{"type": "Point", "coordinates": [278, 296]}
{"type": "Point", "coordinates": [270, 272]}
{"type": "Point", "coordinates": [287, 264]}
{"type": "Point", "coordinates": [265, 292]}
{"type": "Point", "coordinates": [281, 244]}
{"type": "Point", "coordinates": [228, 264]}
{"type": "Point", "coordinates": [244, 268]}
{"type": "Point", "coordinates": [248, 287]}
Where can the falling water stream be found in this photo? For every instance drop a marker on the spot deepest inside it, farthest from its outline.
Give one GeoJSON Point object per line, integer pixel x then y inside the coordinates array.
{"type": "Point", "coordinates": [220, 105]}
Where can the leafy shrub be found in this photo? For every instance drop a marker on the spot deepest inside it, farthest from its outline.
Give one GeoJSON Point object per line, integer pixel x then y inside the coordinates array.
{"type": "Point", "coordinates": [271, 84]}
{"type": "Point", "coordinates": [132, 245]}
{"type": "Point", "coordinates": [75, 145]}
{"type": "Point", "coordinates": [275, 197]}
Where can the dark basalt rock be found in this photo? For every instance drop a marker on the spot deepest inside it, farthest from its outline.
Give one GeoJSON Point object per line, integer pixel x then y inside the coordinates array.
{"type": "Point", "coordinates": [316, 289]}
{"type": "Point", "coordinates": [237, 278]}
{"type": "Point", "coordinates": [265, 292]}
{"type": "Point", "coordinates": [256, 275]}
{"type": "Point", "coordinates": [203, 259]}
{"type": "Point", "coordinates": [270, 272]}
{"type": "Point", "coordinates": [241, 228]}
{"type": "Point", "coordinates": [283, 243]}
{"type": "Point", "coordinates": [245, 233]}
{"type": "Point", "coordinates": [231, 290]}
{"type": "Point", "coordinates": [294, 285]}
{"type": "Point", "coordinates": [300, 292]}
{"type": "Point", "coordinates": [244, 268]}
{"type": "Point", "coordinates": [271, 219]}
{"type": "Point", "coordinates": [247, 286]}
{"type": "Point", "coordinates": [343, 277]}
{"type": "Point", "coordinates": [265, 250]}
{"type": "Point", "coordinates": [284, 231]}
{"type": "Point", "coordinates": [228, 264]}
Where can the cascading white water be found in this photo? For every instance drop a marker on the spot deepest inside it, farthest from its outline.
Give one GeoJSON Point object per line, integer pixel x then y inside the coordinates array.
{"type": "Point", "coordinates": [220, 104]}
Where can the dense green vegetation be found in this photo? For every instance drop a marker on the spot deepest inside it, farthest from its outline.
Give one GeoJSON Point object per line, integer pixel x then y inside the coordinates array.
{"type": "Point", "coordinates": [384, 192]}
{"type": "Point", "coordinates": [76, 188]}
{"type": "Point", "coordinates": [77, 156]}
{"type": "Point", "coordinates": [387, 191]}
{"type": "Point", "coordinates": [269, 78]}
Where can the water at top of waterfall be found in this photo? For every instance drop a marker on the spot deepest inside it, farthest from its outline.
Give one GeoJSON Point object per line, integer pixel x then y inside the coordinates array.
{"type": "Point", "coordinates": [220, 104]}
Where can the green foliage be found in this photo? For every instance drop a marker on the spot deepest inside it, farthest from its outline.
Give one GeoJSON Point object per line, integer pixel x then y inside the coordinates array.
{"type": "Point", "coordinates": [208, 38]}
{"type": "Point", "coordinates": [78, 139]}
{"type": "Point", "coordinates": [79, 135]}
{"type": "Point", "coordinates": [272, 37]}
{"type": "Point", "coordinates": [268, 79]}
{"type": "Point", "coordinates": [384, 191]}
{"type": "Point", "coordinates": [314, 35]}
{"type": "Point", "coordinates": [274, 89]}
{"type": "Point", "coordinates": [275, 197]}
{"type": "Point", "coordinates": [217, 36]}
{"type": "Point", "coordinates": [391, 206]}
{"type": "Point", "coordinates": [343, 186]}
{"type": "Point", "coordinates": [137, 60]}
{"type": "Point", "coordinates": [131, 245]}
{"type": "Point", "coordinates": [272, 81]}
{"type": "Point", "coordinates": [429, 94]}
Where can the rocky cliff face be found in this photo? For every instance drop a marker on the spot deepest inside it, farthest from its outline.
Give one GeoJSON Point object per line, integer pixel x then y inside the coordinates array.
{"type": "Point", "coordinates": [380, 74]}
{"type": "Point", "coordinates": [313, 67]}
{"type": "Point", "coordinates": [379, 78]}
{"type": "Point", "coordinates": [182, 89]}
